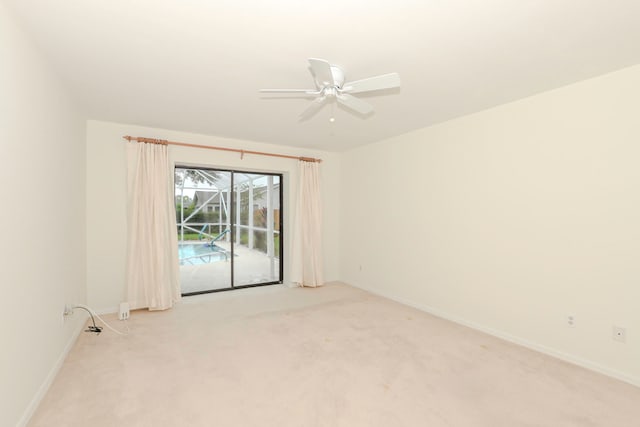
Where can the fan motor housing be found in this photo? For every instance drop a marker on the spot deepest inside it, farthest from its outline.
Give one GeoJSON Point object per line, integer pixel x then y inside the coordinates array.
{"type": "Point", "coordinates": [330, 85]}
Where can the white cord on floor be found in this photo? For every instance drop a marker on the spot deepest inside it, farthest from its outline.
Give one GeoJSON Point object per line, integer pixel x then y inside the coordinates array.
{"type": "Point", "coordinates": [90, 310]}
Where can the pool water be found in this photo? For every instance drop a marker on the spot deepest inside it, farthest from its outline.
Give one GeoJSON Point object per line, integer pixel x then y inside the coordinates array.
{"type": "Point", "coordinates": [200, 253]}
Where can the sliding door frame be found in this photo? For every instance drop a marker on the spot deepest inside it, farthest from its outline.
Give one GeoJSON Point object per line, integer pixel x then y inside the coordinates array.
{"type": "Point", "coordinates": [234, 227]}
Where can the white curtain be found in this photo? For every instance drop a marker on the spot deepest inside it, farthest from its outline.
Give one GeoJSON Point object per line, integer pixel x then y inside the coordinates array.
{"type": "Point", "coordinates": [152, 247]}
{"type": "Point", "coordinates": [307, 232]}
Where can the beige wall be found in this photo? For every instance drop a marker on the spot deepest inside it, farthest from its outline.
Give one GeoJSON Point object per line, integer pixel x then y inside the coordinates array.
{"type": "Point", "coordinates": [42, 222]}
{"type": "Point", "coordinates": [511, 219]}
{"type": "Point", "coordinates": [106, 198]}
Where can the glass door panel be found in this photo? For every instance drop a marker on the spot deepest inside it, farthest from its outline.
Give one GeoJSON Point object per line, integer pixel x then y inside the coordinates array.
{"type": "Point", "coordinates": [258, 216]}
{"type": "Point", "coordinates": [203, 217]}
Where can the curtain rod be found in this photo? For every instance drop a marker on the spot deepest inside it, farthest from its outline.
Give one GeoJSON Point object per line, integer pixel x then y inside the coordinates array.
{"type": "Point", "coordinates": [210, 147]}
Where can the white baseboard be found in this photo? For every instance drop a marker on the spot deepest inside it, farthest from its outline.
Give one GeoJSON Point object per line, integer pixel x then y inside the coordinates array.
{"type": "Point", "coordinates": [33, 405]}
{"type": "Point", "coordinates": [511, 338]}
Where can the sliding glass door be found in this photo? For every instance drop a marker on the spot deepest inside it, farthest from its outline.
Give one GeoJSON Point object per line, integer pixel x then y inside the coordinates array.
{"type": "Point", "coordinates": [229, 229]}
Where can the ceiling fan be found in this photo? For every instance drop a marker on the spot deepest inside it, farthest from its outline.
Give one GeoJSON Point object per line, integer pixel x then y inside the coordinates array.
{"type": "Point", "coordinates": [330, 85]}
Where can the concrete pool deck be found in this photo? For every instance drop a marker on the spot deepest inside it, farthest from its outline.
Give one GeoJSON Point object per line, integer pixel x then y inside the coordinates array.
{"type": "Point", "coordinates": [251, 267]}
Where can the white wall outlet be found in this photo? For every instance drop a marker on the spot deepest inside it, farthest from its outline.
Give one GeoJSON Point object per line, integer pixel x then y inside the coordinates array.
{"type": "Point", "coordinates": [571, 321]}
{"type": "Point", "coordinates": [68, 310]}
{"type": "Point", "coordinates": [123, 312]}
{"type": "Point", "coordinates": [619, 334]}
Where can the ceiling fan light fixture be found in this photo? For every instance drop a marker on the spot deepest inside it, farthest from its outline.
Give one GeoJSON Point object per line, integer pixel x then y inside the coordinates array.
{"type": "Point", "coordinates": [330, 84]}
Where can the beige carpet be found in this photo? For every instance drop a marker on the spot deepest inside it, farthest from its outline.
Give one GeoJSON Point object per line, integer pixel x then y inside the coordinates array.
{"type": "Point", "coordinates": [332, 356]}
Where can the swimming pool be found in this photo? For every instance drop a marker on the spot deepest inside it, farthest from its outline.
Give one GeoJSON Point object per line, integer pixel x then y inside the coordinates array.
{"type": "Point", "coordinates": [200, 253]}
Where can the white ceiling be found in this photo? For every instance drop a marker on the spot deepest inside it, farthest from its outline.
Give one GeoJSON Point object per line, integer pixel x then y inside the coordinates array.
{"type": "Point", "coordinates": [197, 65]}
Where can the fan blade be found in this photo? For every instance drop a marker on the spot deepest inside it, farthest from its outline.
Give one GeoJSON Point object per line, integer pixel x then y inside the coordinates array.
{"type": "Point", "coordinates": [310, 92]}
{"type": "Point", "coordinates": [321, 70]}
{"type": "Point", "coordinates": [315, 106]}
{"type": "Point", "coordinates": [354, 103]}
{"type": "Point", "coordinates": [385, 81]}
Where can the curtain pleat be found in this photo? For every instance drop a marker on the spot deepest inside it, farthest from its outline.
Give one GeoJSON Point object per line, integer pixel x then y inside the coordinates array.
{"type": "Point", "coordinates": [152, 247]}
{"type": "Point", "coordinates": [307, 234]}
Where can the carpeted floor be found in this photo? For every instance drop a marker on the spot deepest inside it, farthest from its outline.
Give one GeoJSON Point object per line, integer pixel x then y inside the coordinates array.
{"type": "Point", "coordinates": [332, 356]}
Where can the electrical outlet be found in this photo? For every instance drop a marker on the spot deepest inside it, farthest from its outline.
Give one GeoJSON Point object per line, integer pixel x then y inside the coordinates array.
{"type": "Point", "coordinates": [68, 310]}
{"type": "Point", "coordinates": [123, 312]}
{"type": "Point", "coordinates": [619, 334]}
{"type": "Point", "coordinates": [571, 321]}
